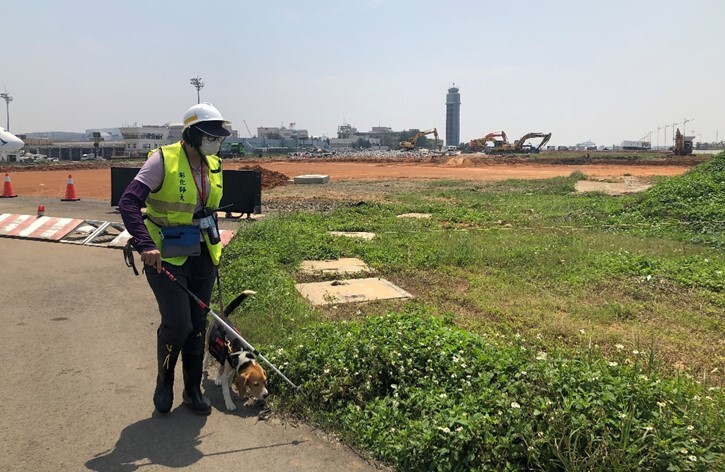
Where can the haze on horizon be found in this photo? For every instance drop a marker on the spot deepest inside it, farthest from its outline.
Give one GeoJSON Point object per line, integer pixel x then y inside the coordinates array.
{"type": "Point", "coordinates": [605, 71]}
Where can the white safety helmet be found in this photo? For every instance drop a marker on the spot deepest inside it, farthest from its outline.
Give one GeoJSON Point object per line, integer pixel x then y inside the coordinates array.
{"type": "Point", "coordinates": [206, 118]}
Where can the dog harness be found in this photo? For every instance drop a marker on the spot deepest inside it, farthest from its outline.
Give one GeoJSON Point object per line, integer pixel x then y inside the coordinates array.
{"type": "Point", "coordinates": [221, 348]}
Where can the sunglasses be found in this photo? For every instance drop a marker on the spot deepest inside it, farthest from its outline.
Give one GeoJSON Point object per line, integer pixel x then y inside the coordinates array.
{"type": "Point", "coordinates": [213, 139]}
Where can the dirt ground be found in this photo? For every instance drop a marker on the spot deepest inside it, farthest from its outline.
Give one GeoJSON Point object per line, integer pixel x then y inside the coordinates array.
{"type": "Point", "coordinates": [95, 183]}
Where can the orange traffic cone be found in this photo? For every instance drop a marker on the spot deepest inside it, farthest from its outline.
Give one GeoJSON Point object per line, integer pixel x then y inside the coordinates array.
{"type": "Point", "coordinates": [7, 188]}
{"type": "Point", "coordinates": [70, 191]}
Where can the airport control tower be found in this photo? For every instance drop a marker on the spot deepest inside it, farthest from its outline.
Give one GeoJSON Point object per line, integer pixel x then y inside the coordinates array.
{"type": "Point", "coordinates": [453, 116]}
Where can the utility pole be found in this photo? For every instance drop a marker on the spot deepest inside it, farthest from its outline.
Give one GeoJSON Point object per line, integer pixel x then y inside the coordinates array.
{"type": "Point", "coordinates": [8, 98]}
{"type": "Point", "coordinates": [198, 85]}
{"type": "Point", "coordinates": [658, 136]}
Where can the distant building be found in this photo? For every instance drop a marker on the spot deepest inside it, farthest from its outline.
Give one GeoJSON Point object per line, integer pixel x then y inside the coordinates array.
{"type": "Point", "coordinates": [282, 132]}
{"type": "Point", "coordinates": [453, 117]}
{"type": "Point", "coordinates": [636, 145]}
{"type": "Point", "coordinates": [139, 140]}
{"type": "Point", "coordinates": [379, 137]}
{"type": "Point", "coordinates": [107, 134]}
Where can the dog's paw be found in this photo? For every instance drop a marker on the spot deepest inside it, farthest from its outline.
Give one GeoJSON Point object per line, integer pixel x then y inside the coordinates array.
{"type": "Point", "coordinates": [230, 406]}
{"type": "Point", "coordinates": [218, 381]}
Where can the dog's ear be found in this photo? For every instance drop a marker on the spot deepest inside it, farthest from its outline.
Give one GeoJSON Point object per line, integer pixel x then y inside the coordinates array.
{"type": "Point", "coordinates": [241, 382]}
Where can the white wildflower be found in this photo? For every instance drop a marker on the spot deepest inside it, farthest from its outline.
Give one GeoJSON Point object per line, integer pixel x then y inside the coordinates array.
{"type": "Point", "coordinates": [648, 428]}
{"type": "Point", "coordinates": [541, 356]}
{"type": "Point", "coordinates": [515, 405]}
{"type": "Point", "coordinates": [692, 458]}
{"type": "Point", "coordinates": [635, 352]}
{"type": "Point", "coordinates": [619, 347]}
{"type": "Point", "coordinates": [443, 396]}
{"type": "Point", "coordinates": [690, 428]}
{"type": "Point", "coordinates": [581, 331]}
{"type": "Point", "coordinates": [445, 429]}
{"type": "Point", "coordinates": [683, 450]}
{"type": "Point", "coordinates": [459, 429]}
{"type": "Point", "coordinates": [613, 364]}
{"type": "Point", "coordinates": [327, 371]}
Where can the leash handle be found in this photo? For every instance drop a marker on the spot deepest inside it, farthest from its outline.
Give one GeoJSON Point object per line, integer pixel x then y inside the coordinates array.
{"type": "Point", "coordinates": [128, 257]}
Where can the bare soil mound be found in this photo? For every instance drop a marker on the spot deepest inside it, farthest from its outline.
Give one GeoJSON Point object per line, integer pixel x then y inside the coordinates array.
{"type": "Point", "coordinates": [270, 178]}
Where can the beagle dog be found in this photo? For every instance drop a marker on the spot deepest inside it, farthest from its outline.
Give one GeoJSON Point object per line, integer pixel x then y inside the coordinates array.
{"type": "Point", "coordinates": [236, 365]}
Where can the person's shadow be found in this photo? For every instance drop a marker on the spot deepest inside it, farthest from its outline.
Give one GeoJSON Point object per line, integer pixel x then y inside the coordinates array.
{"type": "Point", "coordinates": [170, 440]}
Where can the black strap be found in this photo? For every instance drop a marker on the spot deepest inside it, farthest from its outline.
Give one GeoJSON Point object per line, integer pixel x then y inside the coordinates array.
{"type": "Point", "coordinates": [128, 256]}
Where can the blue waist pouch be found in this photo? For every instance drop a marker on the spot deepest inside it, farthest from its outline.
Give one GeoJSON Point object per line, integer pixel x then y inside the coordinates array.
{"type": "Point", "coordinates": [180, 241]}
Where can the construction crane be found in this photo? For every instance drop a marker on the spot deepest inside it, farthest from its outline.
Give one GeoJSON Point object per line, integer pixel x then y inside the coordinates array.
{"type": "Point", "coordinates": [519, 144]}
{"type": "Point", "coordinates": [413, 142]}
{"type": "Point", "coordinates": [245, 125]}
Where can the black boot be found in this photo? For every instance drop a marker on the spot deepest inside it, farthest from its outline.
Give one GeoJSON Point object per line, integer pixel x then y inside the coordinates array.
{"type": "Point", "coordinates": [192, 356]}
{"type": "Point", "coordinates": [166, 355]}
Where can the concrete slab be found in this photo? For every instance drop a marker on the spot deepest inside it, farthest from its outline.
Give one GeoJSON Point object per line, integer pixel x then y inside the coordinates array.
{"type": "Point", "coordinates": [351, 291]}
{"type": "Point", "coordinates": [312, 179]}
{"type": "Point", "coordinates": [415, 215]}
{"type": "Point", "coordinates": [628, 185]}
{"type": "Point", "coordinates": [348, 265]}
{"type": "Point", "coordinates": [353, 234]}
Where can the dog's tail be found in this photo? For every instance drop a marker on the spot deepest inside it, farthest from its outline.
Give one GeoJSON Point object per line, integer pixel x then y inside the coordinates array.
{"type": "Point", "coordinates": [231, 306]}
{"type": "Point", "coordinates": [226, 311]}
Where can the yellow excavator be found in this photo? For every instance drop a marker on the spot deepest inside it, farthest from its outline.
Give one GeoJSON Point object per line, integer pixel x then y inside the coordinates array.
{"type": "Point", "coordinates": [413, 142]}
{"type": "Point", "coordinates": [499, 140]}
{"type": "Point", "coordinates": [519, 145]}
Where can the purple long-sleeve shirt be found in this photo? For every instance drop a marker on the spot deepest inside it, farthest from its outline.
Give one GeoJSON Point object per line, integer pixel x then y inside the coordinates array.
{"type": "Point", "coordinates": [130, 205]}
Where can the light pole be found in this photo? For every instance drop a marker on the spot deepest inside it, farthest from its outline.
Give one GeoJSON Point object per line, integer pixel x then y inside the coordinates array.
{"type": "Point", "coordinates": [664, 138]}
{"type": "Point", "coordinates": [8, 98]}
{"type": "Point", "coordinates": [684, 124]}
{"type": "Point", "coordinates": [198, 85]}
{"type": "Point", "coordinates": [658, 136]}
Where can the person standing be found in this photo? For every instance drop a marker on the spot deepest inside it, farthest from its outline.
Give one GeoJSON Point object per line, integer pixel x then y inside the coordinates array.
{"type": "Point", "coordinates": [181, 186]}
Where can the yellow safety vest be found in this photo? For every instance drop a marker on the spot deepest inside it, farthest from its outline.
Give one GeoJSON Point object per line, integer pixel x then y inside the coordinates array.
{"type": "Point", "coordinates": [174, 203]}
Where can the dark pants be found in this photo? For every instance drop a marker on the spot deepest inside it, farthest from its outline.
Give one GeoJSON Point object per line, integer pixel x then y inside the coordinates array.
{"type": "Point", "coordinates": [180, 314]}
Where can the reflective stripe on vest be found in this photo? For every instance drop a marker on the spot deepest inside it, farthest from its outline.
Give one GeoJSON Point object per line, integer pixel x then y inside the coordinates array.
{"type": "Point", "coordinates": [175, 201]}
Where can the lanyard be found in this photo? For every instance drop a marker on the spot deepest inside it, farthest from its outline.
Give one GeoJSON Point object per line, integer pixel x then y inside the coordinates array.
{"type": "Point", "coordinates": [202, 179]}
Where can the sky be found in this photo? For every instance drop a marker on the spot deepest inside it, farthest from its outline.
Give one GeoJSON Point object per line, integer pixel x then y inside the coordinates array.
{"type": "Point", "coordinates": [605, 71]}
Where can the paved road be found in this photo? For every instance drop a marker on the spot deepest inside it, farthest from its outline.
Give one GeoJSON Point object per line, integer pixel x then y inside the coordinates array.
{"type": "Point", "coordinates": [77, 378]}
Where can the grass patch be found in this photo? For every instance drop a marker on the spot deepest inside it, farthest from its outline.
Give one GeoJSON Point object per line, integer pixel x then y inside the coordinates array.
{"type": "Point", "coordinates": [423, 395]}
{"type": "Point", "coordinates": [501, 273]}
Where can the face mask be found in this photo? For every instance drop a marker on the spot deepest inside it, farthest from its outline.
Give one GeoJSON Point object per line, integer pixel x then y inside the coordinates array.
{"type": "Point", "coordinates": [209, 148]}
